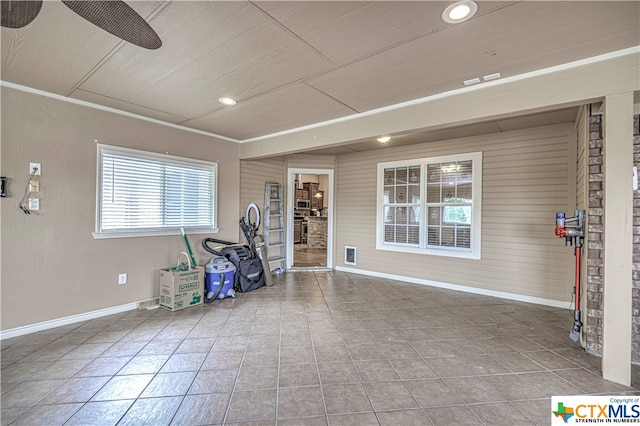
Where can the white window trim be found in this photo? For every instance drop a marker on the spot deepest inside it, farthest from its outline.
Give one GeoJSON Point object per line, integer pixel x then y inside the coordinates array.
{"type": "Point", "coordinates": [98, 234]}
{"type": "Point", "coordinates": [476, 225]}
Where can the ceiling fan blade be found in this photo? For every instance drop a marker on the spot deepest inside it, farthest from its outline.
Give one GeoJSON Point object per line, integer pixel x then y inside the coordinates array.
{"type": "Point", "coordinates": [119, 19]}
{"type": "Point", "coordinates": [17, 14]}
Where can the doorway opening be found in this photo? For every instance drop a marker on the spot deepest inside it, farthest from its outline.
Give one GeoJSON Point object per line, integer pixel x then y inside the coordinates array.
{"type": "Point", "coordinates": [310, 211]}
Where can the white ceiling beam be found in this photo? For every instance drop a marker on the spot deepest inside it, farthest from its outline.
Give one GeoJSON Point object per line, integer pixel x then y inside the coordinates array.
{"type": "Point", "coordinates": [571, 84]}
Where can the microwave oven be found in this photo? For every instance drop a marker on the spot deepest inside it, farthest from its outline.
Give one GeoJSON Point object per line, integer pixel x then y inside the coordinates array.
{"type": "Point", "coordinates": [303, 204]}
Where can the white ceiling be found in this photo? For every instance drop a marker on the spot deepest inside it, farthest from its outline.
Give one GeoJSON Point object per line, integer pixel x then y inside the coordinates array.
{"type": "Point", "coordinates": [293, 64]}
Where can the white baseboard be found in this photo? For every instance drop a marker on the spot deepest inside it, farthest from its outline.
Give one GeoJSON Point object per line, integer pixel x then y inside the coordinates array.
{"type": "Point", "coordinates": [32, 328]}
{"type": "Point", "coordinates": [475, 290]}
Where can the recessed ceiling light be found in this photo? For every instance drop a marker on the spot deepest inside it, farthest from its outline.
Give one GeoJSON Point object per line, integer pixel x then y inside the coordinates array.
{"type": "Point", "coordinates": [227, 101]}
{"type": "Point", "coordinates": [384, 139]}
{"type": "Point", "coordinates": [459, 11]}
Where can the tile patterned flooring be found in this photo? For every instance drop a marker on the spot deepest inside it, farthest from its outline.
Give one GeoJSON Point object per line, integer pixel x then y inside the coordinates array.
{"type": "Point", "coordinates": [317, 348]}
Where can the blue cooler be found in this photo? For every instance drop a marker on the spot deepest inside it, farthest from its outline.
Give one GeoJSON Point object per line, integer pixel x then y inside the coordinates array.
{"type": "Point", "coordinates": [213, 274]}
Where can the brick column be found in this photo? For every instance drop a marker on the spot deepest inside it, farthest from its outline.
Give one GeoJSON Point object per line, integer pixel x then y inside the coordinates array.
{"type": "Point", "coordinates": [595, 273]}
{"type": "Point", "coordinates": [635, 273]}
{"type": "Point", "coordinates": [594, 238]}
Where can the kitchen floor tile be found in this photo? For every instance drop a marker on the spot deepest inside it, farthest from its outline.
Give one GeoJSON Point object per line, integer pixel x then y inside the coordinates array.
{"type": "Point", "coordinates": [502, 414]}
{"type": "Point", "coordinates": [252, 405]}
{"type": "Point", "coordinates": [512, 387]}
{"type": "Point", "coordinates": [214, 381]}
{"type": "Point", "coordinates": [257, 378]}
{"type": "Point", "coordinates": [346, 398]}
{"type": "Point", "coordinates": [357, 419]}
{"type": "Point", "coordinates": [432, 393]}
{"type": "Point", "coordinates": [106, 366]}
{"type": "Point", "coordinates": [298, 375]}
{"type": "Point", "coordinates": [538, 410]}
{"type": "Point", "coordinates": [300, 402]}
{"type": "Point", "coordinates": [183, 362]}
{"type": "Point", "coordinates": [550, 383]}
{"type": "Point", "coordinates": [389, 396]}
{"type": "Point", "coordinates": [47, 415]}
{"type": "Point", "coordinates": [123, 387]}
{"type": "Point", "coordinates": [449, 367]}
{"type": "Point", "coordinates": [203, 409]}
{"type": "Point", "coordinates": [403, 417]}
{"type": "Point", "coordinates": [412, 369]}
{"type": "Point", "coordinates": [144, 364]}
{"type": "Point", "coordinates": [473, 390]}
{"type": "Point", "coordinates": [296, 355]}
{"type": "Point", "coordinates": [151, 411]}
{"type": "Point", "coordinates": [169, 384]}
{"type": "Point", "coordinates": [376, 370]}
{"type": "Point", "coordinates": [75, 390]}
{"type": "Point", "coordinates": [338, 372]}
{"type": "Point", "coordinates": [26, 394]}
{"type": "Point", "coordinates": [446, 416]}
{"type": "Point", "coordinates": [316, 348]}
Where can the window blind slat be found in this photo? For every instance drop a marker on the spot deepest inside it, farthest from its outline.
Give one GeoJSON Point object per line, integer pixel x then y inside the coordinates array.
{"type": "Point", "coordinates": [143, 191]}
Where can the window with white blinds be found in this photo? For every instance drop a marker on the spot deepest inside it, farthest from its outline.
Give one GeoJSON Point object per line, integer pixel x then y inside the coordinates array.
{"type": "Point", "coordinates": [142, 193]}
{"type": "Point", "coordinates": [431, 205]}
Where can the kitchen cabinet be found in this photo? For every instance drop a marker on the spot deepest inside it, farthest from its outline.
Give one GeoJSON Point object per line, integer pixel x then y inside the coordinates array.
{"type": "Point", "coordinates": [315, 195]}
{"type": "Point", "coordinates": [297, 231]}
{"type": "Point", "coordinates": [317, 202]}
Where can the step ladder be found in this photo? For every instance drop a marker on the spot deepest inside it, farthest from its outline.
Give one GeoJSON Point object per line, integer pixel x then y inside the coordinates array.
{"type": "Point", "coordinates": [273, 227]}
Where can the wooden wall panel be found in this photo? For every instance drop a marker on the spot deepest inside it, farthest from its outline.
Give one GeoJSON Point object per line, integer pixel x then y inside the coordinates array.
{"type": "Point", "coordinates": [253, 175]}
{"type": "Point", "coordinates": [525, 181]}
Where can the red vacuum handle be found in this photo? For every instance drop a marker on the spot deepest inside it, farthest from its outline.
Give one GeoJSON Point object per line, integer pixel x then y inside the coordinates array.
{"type": "Point", "coordinates": [561, 231]}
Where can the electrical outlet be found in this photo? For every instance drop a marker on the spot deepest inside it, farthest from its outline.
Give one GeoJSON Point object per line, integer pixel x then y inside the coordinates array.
{"type": "Point", "coordinates": [35, 166]}
{"type": "Point", "coordinates": [122, 279]}
{"type": "Point", "coordinates": [34, 204]}
{"type": "Point", "coordinates": [34, 186]}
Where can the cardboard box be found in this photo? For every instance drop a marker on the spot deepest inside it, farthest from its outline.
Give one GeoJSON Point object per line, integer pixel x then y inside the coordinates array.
{"type": "Point", "coordinates": [181, 289]}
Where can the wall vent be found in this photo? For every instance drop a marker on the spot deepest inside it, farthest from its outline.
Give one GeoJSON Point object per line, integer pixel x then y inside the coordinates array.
{"type": "Point", "coordinates": [349, 255]}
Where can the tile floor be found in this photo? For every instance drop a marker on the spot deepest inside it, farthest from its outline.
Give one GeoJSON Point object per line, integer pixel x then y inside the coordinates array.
{"type": "Point", "coordinates": [317, 348]}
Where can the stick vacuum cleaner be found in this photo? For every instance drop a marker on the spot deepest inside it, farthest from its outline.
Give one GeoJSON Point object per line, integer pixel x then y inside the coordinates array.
{"type": "Point", "coordinates": [572, 230]}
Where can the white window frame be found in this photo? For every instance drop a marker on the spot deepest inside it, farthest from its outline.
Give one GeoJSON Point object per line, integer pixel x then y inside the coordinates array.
{"type": "Point", "coordinates": [474, 252]}
{"type": "Point", "coordinates": [151, 231]}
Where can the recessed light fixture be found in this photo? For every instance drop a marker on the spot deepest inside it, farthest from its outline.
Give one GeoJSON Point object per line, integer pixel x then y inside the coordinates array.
{"type": "Point", "coordinates": [384, 139]}
{"type": "Point", "coordinates": [227, 101]}
{"type": "Point", "coordinates": [459, 11]}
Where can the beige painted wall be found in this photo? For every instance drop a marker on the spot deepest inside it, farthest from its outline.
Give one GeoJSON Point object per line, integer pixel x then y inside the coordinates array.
{"type": "Point", "coordinates": [525, 181]}
{"type": "Point", "coordinates": [51, 265]}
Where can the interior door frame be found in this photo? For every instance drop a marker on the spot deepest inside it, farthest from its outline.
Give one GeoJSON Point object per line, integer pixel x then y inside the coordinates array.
{"type": "Point", "coordinates": [291, 199]}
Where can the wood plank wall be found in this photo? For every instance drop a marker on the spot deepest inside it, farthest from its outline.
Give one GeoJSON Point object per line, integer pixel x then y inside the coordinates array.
{"type": "Point", "coordinates": [308, 161]}
{"type": "Point", "coordinates": [253, 175]}
{"type": "Point", "coordinates": [525, 175]}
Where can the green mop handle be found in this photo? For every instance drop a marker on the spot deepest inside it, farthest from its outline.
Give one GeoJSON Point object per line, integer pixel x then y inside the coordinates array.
{"type": "Point", "coordinates": [186, 242]}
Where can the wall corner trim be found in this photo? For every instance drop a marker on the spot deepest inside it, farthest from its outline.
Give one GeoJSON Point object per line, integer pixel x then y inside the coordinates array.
{"type": "Point", "coordinates": [458, 287]}
{"type": "Point", "coordinates": [59, 322]}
